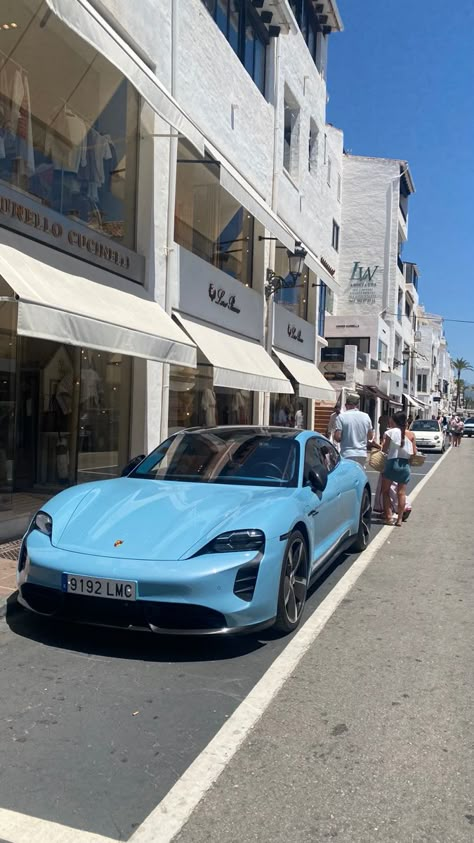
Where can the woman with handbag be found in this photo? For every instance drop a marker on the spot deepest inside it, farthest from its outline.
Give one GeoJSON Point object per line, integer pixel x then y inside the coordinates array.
{"type": "Point", "coordinates": [399, 447]}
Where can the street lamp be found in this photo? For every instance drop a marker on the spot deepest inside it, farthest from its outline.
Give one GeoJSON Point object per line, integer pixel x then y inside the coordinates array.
{"type": "Point", "coordinates": [275, 282]}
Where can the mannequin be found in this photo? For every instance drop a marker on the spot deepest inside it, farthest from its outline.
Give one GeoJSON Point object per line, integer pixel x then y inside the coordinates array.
{"type": "Point", "coordinates": [208, 406]}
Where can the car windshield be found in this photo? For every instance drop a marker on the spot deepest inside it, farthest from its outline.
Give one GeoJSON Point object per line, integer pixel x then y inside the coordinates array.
{"type": "Point", "coordinates": [469, 421]}
{"type": "Point", "coordinates": [428, 424]}
{"type": "Point", "coordinates": [255, 458]}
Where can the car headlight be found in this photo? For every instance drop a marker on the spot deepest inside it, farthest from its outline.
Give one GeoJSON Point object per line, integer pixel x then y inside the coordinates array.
{"type": "Point", "coordinates": [234, 541]}
{"type": "Point", "coordinates": [43, 522]}
{"type": "Point", "coordinates": [437, 438]}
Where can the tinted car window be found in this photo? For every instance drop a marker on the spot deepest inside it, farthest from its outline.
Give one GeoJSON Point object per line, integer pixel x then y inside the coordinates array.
{"type": "Point", "coordinates": [425, 424]}
{"type": "Point", "coordinates": [329, 454]}
{"type": "Point", "coordinates": [312, 458]}
{"type": "Point", "coordinates": [245, 458]}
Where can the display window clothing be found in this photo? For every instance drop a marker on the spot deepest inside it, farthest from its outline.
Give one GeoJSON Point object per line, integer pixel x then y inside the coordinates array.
{"type": "Point", "coordinates": [15, 118]}
{"type": "Point", "coordinates": [208, 405]}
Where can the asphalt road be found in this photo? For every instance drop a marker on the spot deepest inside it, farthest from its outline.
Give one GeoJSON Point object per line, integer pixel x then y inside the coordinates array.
{"type": "Point", "coordinates": [97, 725]}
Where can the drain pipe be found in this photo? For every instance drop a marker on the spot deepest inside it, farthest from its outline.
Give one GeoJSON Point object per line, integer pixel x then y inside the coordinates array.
{"type": "Point", "coordinates": [171, 267]}
{"type": "Point", "coordinates": [271, 250]}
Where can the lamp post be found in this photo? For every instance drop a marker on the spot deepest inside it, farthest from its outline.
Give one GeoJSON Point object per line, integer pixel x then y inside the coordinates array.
{"type": "Point", "coordinates": [274, 283]}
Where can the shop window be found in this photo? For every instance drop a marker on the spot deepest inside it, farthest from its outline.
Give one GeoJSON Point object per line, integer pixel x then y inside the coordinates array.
{"type": "Point", "coordinates": [68, 123]}
{"type": "Point", "coordinates": [195, 401]}
{"type": "Point", "coordinates": [242, 27]}
{"type": "Point", "coordinates": [73, 415]}
{"type": "Point", "coordinates": [209, 222]}
{"type": "Point", "coordinates": [289, 411]}
{"type": "Point", "coordinates": [294, 299]}
{"type": "Point", "coordinates": [290, 134]}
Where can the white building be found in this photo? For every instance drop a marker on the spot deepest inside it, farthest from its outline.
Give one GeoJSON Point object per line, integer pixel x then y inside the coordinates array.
{"type": "Point", "coordinates": [434, 375]}
{"type": "Point", "coordinates": [158, 161]}
{"type": "Point", "coordinates": [371, 332]}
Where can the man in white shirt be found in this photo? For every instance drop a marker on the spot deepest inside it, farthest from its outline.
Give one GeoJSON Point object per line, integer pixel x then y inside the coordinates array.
{"type": "Point", "coordinates": [354, 431]}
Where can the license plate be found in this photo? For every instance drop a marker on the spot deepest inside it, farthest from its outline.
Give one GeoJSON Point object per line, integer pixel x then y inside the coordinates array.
{"type": "Point", "coordinates": [99, 587]}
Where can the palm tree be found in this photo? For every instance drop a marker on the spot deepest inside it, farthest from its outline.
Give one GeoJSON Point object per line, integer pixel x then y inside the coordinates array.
{"type": "Point", "coordinates": [460, 365]}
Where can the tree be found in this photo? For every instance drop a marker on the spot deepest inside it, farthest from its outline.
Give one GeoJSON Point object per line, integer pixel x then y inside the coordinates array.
{"type": "Point", "coordinates": [460, 365]}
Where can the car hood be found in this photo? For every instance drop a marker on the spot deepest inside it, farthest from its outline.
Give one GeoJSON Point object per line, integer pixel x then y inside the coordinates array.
{"type": "Point", "coordinates": [159, 520]}
{"type": "Point", "coordinates": [427, 434]}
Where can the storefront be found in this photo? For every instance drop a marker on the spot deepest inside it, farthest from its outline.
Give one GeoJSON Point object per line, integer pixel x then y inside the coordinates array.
{"type": "Point", "coordinates": [225, 320]}
{"type": "Point", "coordinates": [294, 347]}
{"type": "Point", "coordinates": [74, 313]}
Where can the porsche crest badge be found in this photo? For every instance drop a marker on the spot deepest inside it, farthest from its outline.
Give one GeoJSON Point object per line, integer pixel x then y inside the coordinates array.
{"type": "Point", "coordinates": [118, 543]}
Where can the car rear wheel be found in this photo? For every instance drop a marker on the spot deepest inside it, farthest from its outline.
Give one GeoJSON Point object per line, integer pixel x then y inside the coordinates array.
{"type": "Point", "coordinates": [365, 523]}
{"type": "Point", "coordinates": [293, 583]}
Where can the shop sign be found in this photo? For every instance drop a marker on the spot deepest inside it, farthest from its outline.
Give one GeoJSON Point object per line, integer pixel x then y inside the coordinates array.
{"type": "Point", "coordinates": [293, 334]}
{"type": "Point", "coordinates": [221, 298]}
{"type": "Point", "coordinates": [28, 217]}
{"type": "Point", "coordinates": [335, 376]}
{"type": "Point", "coordinates": [363, 284]}
{"type": "Point", "coordinates": [207, 293]}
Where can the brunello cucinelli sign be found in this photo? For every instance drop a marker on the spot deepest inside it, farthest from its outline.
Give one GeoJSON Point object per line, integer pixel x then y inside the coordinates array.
{"type": "Point", "coordinates": [363, 283]}
{"type": "Point", "coordinates": [28, 217]}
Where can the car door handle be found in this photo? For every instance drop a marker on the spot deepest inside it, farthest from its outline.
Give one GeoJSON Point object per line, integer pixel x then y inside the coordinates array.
{"type": "Point", "coordinates": [313, 512]}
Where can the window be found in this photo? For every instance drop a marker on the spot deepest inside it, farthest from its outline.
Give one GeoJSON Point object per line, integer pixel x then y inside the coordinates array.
{"type": "Point", "coordinates": [329, 300]}
{"type": "Point", "coordinates": [329, 454]}
{"type": "Point", "coordinates": [70, 140]}
{"type": "Point", "coordinates": [313, 458]}
{"type": "Point", "coordinates": [382, 351]}
{"type": "Point", "coordinates": [339, 187]}
{"type": "Point", "coordinates": [247, 35]}
{"type": "Point", "coordinates": [313, 146]}
{"type": "Point", "coordinates": [329, 171]}
{"type": "Point", "coordinates": [397, 361]}
{"type": "Point", "coordinates": [311, 31]}
{"type": "Point", "coordinates": [407, 308]}
{"type": "Point", "coordinates": [209, 222]}
{"type": "Point", "coordinates": [335, 235]}
{"type": "Point", "coordinates": [322, 308]}
{"type": "Point", "coordinates": [421, 383]}
{"type": "Point", "coordinates": [362, 343]}
{"type": "Point", "coordinates": [400, 304]}
{"type": "Point", "coordinates": [194, 400]}
{"type": "Point", "coordinates": [290, 134]}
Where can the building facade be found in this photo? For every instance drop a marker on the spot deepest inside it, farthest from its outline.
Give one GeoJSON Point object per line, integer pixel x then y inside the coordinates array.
{"type": "Point", "coordinates": [152, 195]}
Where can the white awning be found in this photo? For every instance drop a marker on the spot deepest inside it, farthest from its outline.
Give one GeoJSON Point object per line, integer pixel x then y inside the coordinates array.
{"type": "Point", "coordinates": [311, 383]}
{"type": "Point", "coordinates": [414, 402]}
{"type": "Point", "coordinates": [81, 18]}
{"type": "Point", "coordinates": [66, 300]}
{"type": "Point", "coordinates": [238, 363]}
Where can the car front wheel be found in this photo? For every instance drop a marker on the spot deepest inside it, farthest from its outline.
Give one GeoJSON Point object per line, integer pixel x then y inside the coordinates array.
{"type": "Point", "coordinates": [365, 523]}
{"type": "Point", "coordinates": [293, 583]}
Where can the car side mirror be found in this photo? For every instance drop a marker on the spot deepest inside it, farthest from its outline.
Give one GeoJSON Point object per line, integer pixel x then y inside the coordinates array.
{"type": "Point", "coordinates": [318, 479]}
{"type": "Point", "coordinates": [131, 465]}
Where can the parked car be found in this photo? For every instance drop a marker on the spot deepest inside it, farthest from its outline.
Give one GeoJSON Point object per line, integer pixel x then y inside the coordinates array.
{"type": "Point", "coordinates": [429, 435]}
{"type": "Point", "coordinates": [469, 427]}
{"type": "Point", "coordinates": [218, 530]}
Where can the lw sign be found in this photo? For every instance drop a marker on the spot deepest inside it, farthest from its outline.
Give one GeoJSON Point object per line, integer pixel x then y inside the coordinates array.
{"type": "Point", "coordinates": [363, 284]}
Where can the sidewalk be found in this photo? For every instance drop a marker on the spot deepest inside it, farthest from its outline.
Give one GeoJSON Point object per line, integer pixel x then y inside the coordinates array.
{"type": "Point", "coordinates": [371, 739]}
{"type": "Point", "coordinates": [8, 561]}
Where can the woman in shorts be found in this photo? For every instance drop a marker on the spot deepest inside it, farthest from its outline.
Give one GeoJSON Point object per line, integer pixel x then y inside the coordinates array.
{"type": "Point", "coordinates": [399, 446]}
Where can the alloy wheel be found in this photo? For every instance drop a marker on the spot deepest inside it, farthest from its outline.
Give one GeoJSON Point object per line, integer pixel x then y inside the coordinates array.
{"type": "Point", "coordinates": [296, 580]}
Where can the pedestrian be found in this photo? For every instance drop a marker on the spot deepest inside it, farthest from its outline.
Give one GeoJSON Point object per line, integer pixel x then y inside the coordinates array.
{"type": "Point", "coordinates": [409, 421]}
{"type": "Point", "coordinates": [331, 428]}
{"type": "Point", "coordinates": [444, 428]}
{"type": "Point", "coordinates": [399, 446]}
{"type": "Point", "coordinates": [354, 431]}
{"type": "Point", "coordinates": [459, 430]}
{"type": "Point", "coordinates": [453, 430]}
{"type": "Point", "coordinates": [378, 500]}
{"type": "Point", "coordinates": [383, 424]}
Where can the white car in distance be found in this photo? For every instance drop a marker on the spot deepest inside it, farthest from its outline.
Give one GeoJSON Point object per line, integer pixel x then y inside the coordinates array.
{"type": "Point", "coordinates": [429, 435]}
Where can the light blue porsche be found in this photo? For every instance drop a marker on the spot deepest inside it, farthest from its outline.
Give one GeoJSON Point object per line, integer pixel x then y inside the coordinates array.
{"type": "Point", "coordinates": [219, 530]}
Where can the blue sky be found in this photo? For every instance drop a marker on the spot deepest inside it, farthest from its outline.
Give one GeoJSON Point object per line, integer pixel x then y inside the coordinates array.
{"type": "Point", "coordinates": [401, 85]}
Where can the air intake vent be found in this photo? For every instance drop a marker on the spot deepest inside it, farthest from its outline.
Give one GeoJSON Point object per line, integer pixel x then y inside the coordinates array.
{"type": "Point", "coordinates": [245, 582]}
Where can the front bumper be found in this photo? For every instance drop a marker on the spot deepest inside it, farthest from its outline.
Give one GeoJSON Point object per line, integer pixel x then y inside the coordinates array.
{"type": "Point", "coordinates": [189, 597]}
